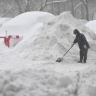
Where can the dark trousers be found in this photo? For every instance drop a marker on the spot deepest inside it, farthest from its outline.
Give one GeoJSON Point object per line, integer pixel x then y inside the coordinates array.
{"type": "Point", "coordinates": [83, 54]}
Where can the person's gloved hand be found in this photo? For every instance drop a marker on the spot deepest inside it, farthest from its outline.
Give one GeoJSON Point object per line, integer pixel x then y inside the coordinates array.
{"type": "Point", "coordinates": [85, 47]}
{"type": "Point", "coordinates": [72, 45]}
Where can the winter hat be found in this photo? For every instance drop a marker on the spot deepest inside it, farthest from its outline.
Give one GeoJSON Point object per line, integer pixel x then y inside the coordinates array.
{"type": "Point", "coordinates": [75, 31]}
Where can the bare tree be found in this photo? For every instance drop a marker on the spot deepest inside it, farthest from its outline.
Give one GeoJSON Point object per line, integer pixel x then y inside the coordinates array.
{"type": "Point", "coordinates": [85, 2]}
{"type": "Point", "coordinates": [10, 8]}
{"type": "Point", "coordinates": [45, 3]}
{"type": "Point", "coordinates": [72, 7]}
{"type": "Point", "coordinates": [19, 6]}
{"type": "Point", "coordinates": [48, 3]}
{"type": "Point", "coordinates": [58, 8]}
{"type": "Point", "coordinates": [84, 8]}
{"type": "Point", "coordinates": [52, 6]}
{"type": "Point", "coordinates": [27, 8]}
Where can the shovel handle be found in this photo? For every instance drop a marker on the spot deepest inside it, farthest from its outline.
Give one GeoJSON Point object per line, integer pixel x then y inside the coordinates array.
{"type": "Point", "coordinates": [67, 51]}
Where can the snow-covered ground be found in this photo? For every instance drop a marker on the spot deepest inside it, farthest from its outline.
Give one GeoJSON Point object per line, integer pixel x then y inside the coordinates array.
{"type": "Point", "coordinates": [29, 68]}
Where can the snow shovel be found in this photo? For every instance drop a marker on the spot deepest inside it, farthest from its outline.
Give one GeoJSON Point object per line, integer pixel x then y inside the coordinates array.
{"type": "Point", "coordinates": [61, 58]}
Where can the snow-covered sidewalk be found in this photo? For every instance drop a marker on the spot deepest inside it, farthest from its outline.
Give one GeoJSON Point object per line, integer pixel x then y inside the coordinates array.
{"type": "Point", "coordinates": [43, 78]}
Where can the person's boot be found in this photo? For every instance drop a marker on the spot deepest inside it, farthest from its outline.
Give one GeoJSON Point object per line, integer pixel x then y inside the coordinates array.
{"type": "Point", "coordinates": [79, 61]}
{"type": "Point", "coordinates": [84, 61]}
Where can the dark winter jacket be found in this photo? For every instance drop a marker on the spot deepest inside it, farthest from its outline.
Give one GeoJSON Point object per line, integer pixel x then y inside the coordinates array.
{"type": "Point", "coordinates": [81, 39]}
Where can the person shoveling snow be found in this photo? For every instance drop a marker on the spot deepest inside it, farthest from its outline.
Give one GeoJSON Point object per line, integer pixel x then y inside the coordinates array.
{"type": "Point", "coordinates": [83, 45]}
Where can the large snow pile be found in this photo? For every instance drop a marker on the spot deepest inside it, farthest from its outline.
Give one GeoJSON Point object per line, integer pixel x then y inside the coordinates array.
{"type": "Point", "coordinates": [22, 23]}
{"type": "Point", "coordinates": [36, 83]}
{"type": "Point", "coordinates": [83, 21]}
{"type": "Point", "coordinates": [55, 39]}
{"type": "Point", "coordinates": [87, 82]}
{"type": "Point", "coordinates": [92, 25]}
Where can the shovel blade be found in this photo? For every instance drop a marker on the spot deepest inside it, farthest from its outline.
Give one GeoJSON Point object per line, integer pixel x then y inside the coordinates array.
{"type": "Point", "coordinates": [59, 59]}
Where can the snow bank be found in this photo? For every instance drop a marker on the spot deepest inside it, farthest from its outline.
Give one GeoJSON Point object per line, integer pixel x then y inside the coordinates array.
{"type": "Point", "coordinates": [22, 23]}
{"type": "Point", "coordinates": [33, 34]}
{"type": "Point", "coordinates": [92, 25]}
{"type": "Point", "coordinates": [3, 47]}
{"type": "Point", "coordinates": [87, 84]}
{"type": "Point", "coordinates": [55, 39]}
{"type": "Point", "coordinates": [36, 83]}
